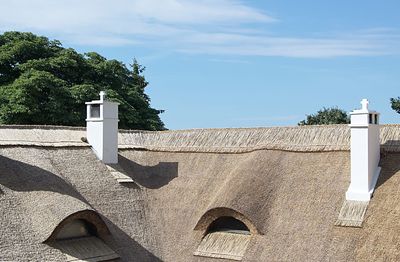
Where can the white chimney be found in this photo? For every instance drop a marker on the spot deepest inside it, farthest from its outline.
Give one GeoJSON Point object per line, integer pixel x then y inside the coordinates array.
{"type": "Point", "coordinates": [102, 129]}
{"type": "Point", "coordinates": [365, 153]}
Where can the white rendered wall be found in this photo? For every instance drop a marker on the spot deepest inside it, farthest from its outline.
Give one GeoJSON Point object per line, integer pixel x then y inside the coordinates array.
{"type": "Point", "coordinates": [102, 132]}
{"type": "Point", "coordinates": [359, 160]}
{"type": "Point", "coordinates": [94, 137]}
{"type": "Point", "coordinates": [374, 155]}
{"type": "Point", "coordinates": [364, 154]}
{"type": "Point", "coordinates": [110, 141]}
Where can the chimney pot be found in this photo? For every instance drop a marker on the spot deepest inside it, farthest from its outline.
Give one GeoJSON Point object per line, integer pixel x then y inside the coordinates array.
{"type": "Point", "coordinates": [364, 104]}
{"type": "Point", "coordinates": [102, 95]}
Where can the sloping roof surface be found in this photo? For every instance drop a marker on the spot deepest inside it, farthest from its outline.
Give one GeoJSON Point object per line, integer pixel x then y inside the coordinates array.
{"type": "Point", "coordinates": [289, 182]}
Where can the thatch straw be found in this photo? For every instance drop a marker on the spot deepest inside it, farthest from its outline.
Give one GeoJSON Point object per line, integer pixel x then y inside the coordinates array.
{"type": "Point", "coordinates": [292, 198]}
{"type": "Point", "coordinates": [352, 213]}
{"type": "Point", "coordinates": [119, 173]}
{"type": "Point", "coordinates": [47, 136]}
{"type": "Point", "coordinates": [85, 249]}
{"type": "Point", "coordinates": [226, 140]}
{"type": "Point", "coordinates": [223, 245]}
{"type": "Point", "coordinates": [240, 140]}
{"type": "Point", "coordinates": [390, 138]}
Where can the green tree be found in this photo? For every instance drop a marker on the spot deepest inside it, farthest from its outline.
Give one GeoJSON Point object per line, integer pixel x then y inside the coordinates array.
{"type": "Point", "coordinates": [43, 83]}
{"type": "Point", "coordinates": [395, 104]}
{"type": "Point", "coordinates": [326, 116]}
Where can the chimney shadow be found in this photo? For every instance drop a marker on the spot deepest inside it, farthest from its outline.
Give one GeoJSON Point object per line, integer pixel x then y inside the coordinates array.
{"type": "Point", "coordinates": [130, 185]}
{"type": "Point", "coordinates": [127, 248]}
{"type": "Point", "coordinates": [152, 177]}
{"type": "Point", "coordinates": [121, 243]}
{"type": "Point", "coordinates": [389, 162]}
{"type": "Point", "coordinates": [20, 176]}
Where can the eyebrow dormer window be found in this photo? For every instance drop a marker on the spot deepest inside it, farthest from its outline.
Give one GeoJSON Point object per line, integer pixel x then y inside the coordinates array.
{"type": "Point", "coordinates": [226, 237]}
{"type": "Point", "coordinates": [228, 225]}
{"type": "Point", "coordinates": [79, 241]}
{"type": "Point", "coordinates": [76, 229]}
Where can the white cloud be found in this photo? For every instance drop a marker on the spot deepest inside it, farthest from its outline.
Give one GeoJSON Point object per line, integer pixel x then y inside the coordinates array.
{"type": "Point", "coordinates": [220, 27]}
{"type": "Point", "coordinates": [230, 61]}
{"type": "Point", "coordinates": [269, 118]}
{"type": "Point", "coordinates": [357, 44]}
{"type": "Point", "coordinates": [198, 12]}
{"type": "Point", "coordinates": [81, 14]}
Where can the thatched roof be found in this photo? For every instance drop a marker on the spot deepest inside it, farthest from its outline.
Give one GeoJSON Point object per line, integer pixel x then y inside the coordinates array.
{"type": "Point", "coordinates": [227, 140]}
{"type": "Point", "coordinates": [286, 184]}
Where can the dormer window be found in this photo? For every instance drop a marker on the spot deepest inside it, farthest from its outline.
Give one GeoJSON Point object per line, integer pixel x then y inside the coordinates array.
{"type": "Point", "coordinates": [228, 225]}
{"type": "Point", "coordinates": [76, 229]}
{"type": "Point", "coordinates": [79, 241]}
{"type": "Point", "coordinates": [226, 237]}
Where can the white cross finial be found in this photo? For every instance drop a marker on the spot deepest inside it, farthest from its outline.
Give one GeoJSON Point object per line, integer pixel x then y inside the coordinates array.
{"type": "Point", "coordinates": [102, 95]}
{"type": "Point", "coordinates": [364, 104]}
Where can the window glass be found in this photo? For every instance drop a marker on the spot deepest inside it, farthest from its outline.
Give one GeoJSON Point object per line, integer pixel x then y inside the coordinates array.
{"type": "Point", "coordinates": [75, 229]}
{"type": "Point", "coordinates": [228, 224]}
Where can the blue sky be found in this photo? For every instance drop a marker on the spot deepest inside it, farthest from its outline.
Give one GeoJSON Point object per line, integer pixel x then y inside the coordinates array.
{"type": "Point", "coordinates": [231, 63]}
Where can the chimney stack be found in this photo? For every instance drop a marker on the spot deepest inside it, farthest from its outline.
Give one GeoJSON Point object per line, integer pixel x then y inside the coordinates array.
{"type": "Point", "coordinates": [365, 153]}
{"type": "Point", "coordinates": [102, 128]}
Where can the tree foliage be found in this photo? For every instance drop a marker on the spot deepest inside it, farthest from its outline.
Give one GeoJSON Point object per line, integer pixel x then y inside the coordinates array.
{"type": "Point", "coordinates": [43, 83]}
{"type": "Point", "coordinates": [395, 104]}
{"type": "Point", "coordinates": [326, 116]}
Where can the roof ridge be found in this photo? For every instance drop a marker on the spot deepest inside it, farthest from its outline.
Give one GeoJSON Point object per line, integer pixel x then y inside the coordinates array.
{"type": "Point", "coordinates": [44, 127]}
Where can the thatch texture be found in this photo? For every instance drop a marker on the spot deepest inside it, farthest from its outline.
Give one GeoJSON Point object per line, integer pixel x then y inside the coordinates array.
{"type": "Point", "coordinates": [90, 249]}
{"type": "Point", "coordinates": [227, 140]}
{"type": "Point", "coordinates": [241, 140]}
{"type": "Point", "coordinates": [390, 138]}
{"type": "Point", "coordinates": [39, 190]}
{"type": "Point", "coordinates": [238, 140]}
{"type": "Point", "coordinates": [119, 173]}
{"type": "Point", "coordinates": [43, 188]}
{"type": "Point", "coordinates": [49, 136]}
{"type": "Point", "coordinates": [352, 213]}
{"type": "Point", "coordinates": [223, 245]}
{"type": "Point", "coordinates": [291, 196]}
{"type": "Point", "coordinates": [287, 196]}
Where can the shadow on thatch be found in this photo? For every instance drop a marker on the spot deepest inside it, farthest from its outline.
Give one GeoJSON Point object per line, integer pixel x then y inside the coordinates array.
{"type": "Point", "coordinates": [389, 162]}
{"type": "Point", "coordinates": [131, 185]}
{"type": "Point", "coordinates": [121, 242]}
{"type": "Point", "coordinates": [84, 248]}
{"type": "Point", "coordinates": [149, 176]}
{"type": "Point", "coordinates": [20, 176]}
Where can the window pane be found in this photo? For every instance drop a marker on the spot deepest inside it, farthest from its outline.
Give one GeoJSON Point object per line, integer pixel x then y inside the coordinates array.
{"type": "Point", "coordinates": [75, 229]}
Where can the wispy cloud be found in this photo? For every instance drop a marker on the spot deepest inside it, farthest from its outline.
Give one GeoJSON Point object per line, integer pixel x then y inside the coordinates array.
{"type": "Point", "coordinates": [218, 27]}
{"type": "Point", "coordinates": [229, 61]}
{"type": "Point", "coordinates": [269, 118]}
{"type": "Point", "coordinates": [150, 17]}
{"type": "Point", "coordinates": [358, 44]}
